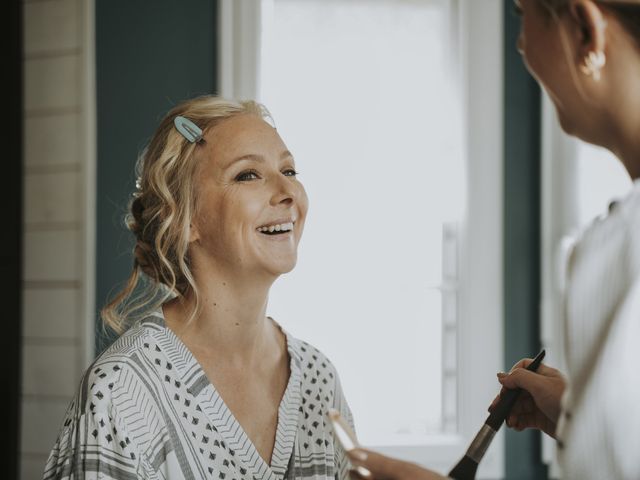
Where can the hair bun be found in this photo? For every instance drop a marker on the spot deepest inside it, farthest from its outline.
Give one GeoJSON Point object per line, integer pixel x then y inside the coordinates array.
{"type": "Point", "coordinates": [143, 257]}
{"type": "Point", "coordinates": [135, 220]}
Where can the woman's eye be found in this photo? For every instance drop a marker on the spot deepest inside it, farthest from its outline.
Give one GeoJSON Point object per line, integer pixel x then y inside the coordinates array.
{"type": "Point", "coordinates": [290, 172]}
{"type": "Point", "coordinates": [246, 176]}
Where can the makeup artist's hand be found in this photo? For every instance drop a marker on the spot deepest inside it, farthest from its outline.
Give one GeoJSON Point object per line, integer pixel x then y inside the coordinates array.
{"type": "Point", "coordinates": [538, 406]}
{"type": "Point", "coordinates": [386, 468]}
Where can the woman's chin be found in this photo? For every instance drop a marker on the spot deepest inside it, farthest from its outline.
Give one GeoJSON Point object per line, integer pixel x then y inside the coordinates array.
{"type": "Point", "coordinates": [281, 266]}
{"type": "Point", "coordinates": [286, 268]}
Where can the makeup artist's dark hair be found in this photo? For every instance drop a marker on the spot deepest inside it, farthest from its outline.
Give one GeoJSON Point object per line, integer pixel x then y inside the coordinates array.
{"type": "Point", "coordinates": [626, 11]}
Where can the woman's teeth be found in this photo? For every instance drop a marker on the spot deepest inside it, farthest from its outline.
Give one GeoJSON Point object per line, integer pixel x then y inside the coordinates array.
{"type": "Point", "coordinates": [282, 227]}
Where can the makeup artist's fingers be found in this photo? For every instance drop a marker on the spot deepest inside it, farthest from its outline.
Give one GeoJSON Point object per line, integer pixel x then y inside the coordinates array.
{"type": "Point", "coordinates": [535, 420]}
{"type": "Point", "coordinates": [387, 468]}
{"type": "Point", "coordinates": [522, 421]}
{"type": "Point", "coordinates": [503, 390]}
{"type": "Point", "coordinates": [354, 475]}
{"type": "Point", "coordinates": [546, 388]}
{"type": "Point", "coordinates": [524, 413]}
{"type": "Point", "coordinates": [522, 378]}
{"type": "Point", "coordinates": [381, 466]}
{"type": "Point", "coordinates": [543, 369]}
{"type": "Point", "coordinates": [502, 375]}
{"type": "Point", "coordinates": [524, 405]}
{"type": "Point", "coordinates": [525, 401]}
{"type": "Point", "coordinates": [520, 424]}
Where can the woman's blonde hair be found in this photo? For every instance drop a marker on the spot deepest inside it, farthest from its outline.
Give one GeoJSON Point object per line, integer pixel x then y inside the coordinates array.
{"type": "Point", "coordinates": [162, 208]}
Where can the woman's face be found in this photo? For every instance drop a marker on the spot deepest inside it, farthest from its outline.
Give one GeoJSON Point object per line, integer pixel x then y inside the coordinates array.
{"type": "Point", "coordinates": [250, 207]}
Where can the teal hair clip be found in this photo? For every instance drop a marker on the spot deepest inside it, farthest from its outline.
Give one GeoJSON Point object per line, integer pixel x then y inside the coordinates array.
{"type": "Point", "coordinates": [188, 129]}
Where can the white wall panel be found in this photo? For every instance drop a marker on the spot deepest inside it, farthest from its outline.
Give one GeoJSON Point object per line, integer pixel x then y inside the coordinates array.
{"type": "Point", "coordinates": [50, 313]}
{"type": "Point", "coordinates": [52, 197]}
{"type": "Point", "coordinates": [51, 26]}
{"type": "Point", "coordinates": [51, 141]}
{"type": "Point", "coordinates": [52, 83]}
{"type": "Point", "coordinates": [51, 256]}
{"type": "Point", "coordinates": [49, 370]}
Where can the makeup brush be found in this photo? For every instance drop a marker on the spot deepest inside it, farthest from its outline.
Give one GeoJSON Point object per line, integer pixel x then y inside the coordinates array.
{"type": "Point", "coordinates": [466, 468]}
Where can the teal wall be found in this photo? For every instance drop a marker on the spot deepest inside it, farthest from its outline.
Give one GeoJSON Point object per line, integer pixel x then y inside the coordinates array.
{"type": "Point", "coordinates": [149, 56]}
{"type": "Point", "coordinates": [522, 226]}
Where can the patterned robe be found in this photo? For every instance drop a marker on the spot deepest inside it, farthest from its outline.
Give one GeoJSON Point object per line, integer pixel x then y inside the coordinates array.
{"type": "Point", "coordinates": [145, 409]}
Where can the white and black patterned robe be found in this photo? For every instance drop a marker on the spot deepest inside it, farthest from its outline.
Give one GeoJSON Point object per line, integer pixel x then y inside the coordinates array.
{"type": "Point", "coordinates": [145, 409]}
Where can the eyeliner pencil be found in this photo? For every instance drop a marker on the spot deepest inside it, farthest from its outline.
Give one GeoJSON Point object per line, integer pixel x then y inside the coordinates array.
{"type": "Point", "coordinates": [466, 468]}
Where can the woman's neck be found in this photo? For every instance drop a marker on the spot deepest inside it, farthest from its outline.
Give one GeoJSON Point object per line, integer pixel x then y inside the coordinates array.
{"type": "Point", "coordinates": [629, 154]}
{"type": "Point", "coordinates": [231, 321]}
{"type": "Point", "coordinates": [622, 117]}
{"type": "Point", "coordinates": [625, 144]}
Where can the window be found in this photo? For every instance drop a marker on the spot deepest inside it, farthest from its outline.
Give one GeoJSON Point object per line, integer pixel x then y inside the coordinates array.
{"type": "Point", "coordinates": [377, 133]}
{"type": "Point", "coordinates": [373, 99]}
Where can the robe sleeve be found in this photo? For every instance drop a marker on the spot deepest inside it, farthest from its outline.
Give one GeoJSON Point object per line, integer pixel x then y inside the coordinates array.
{"type": "Point", "coordinates": [599, 429]}
{"type": "Point", "coordinates": [618, 368]}
{"type": "Point", "coordinates": [340, 403]}
{"type": "Point", "coordinates": [93, 443]}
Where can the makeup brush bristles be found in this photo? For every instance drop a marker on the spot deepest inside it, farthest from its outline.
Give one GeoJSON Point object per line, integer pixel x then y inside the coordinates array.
{"type": "Point", "coordinates": [465, 469]}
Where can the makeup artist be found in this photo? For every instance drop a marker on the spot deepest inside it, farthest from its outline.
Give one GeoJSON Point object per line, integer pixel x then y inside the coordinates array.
{"type": "Point", "coordinates": [586, 55]}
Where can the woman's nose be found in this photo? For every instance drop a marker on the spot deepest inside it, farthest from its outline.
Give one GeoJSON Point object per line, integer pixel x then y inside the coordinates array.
{"type": "Point", "coordinates": [283, 192]}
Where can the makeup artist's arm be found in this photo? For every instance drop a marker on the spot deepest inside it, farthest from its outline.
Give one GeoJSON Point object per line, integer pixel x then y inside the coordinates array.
{"type": "Point", "coordinates": [538, 406]}
{"type": "Point", "coordinates": [386, 468]}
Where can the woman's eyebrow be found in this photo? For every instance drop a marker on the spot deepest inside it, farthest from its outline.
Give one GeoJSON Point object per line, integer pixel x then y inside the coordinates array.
{"type": "Point", "coordinates": [256, 158]}
{"type": "Point", "coordinates": [251, 157]}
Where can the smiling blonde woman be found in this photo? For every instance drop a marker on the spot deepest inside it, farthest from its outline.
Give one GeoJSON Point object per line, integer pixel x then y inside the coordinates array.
{"type": "Point", "coordinates": [202, 383]}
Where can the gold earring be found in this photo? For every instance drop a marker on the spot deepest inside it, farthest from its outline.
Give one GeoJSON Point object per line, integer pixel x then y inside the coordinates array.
{"type": "Point", "coordinates": [593, 63]}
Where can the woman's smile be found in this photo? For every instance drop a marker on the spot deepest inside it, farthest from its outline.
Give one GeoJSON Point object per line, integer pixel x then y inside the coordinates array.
{"type": "Point", "coordinates": [279, 227]}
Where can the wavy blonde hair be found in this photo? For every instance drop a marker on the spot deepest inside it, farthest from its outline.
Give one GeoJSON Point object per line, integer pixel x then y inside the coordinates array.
{"type": "Point", "coordinates": [162, 208]}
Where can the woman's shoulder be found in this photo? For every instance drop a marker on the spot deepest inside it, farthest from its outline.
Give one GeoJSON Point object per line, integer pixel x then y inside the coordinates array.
{"type": "Point", "coordinates": [308, 354]}
{"type": "Point", "coordinates": [616, 234]}
{"type": "Point", "coordinates": [95, 432]}
{"type": "Point", "coordinates": [316, 369]}
{"type": "Point", "coordinates": [126, 353]}
{"type": "Point", "coordinates": [615, 227]}
{"type": "Point", "coordinates": [132, 342]}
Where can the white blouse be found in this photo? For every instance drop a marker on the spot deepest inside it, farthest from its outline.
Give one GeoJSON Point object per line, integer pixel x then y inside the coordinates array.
{"type": "Point", "coordinates": [599, 429]}
{"type": "Point", "coordinates": [145, 409]}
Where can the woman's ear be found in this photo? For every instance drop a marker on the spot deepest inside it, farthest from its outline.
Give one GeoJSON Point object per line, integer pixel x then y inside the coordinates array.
{"type": "Point", "coordinates": [194, 236]}
{"type": "Point", "coordinates": [592, 25]}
